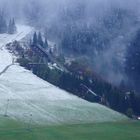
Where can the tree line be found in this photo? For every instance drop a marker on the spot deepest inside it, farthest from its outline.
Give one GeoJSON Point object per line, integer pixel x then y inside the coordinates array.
{"type": "Point", "coordinates": [39, 40]}
{"type": "Point", "coordinates": [7, 27]}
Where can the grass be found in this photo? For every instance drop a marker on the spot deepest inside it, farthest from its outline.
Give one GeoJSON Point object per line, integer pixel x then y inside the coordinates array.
{"type": "Point", "coordinates": [12, 130]}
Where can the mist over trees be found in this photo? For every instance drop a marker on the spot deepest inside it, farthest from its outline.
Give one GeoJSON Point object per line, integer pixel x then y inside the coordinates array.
{"type": "Point", "coordinates": [132, 66]}
{"type": "Point", "coordinates": [100, 30]}
{"type": "Point", "coordinates": [12, 27]}
{"type": "Point", "coordinates": [6, 27]}
{"type": "Point", "coordinates": [3, 24]}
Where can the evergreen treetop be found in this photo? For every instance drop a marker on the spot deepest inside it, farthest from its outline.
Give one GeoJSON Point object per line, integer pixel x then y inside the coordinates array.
{"type": "Point", "coordinates": [40, 40]}
{"type": "Point", "coordinates": [35, 38]}
{"type": "Point", "coordinates": [3, 24]}
{"type": "Point", "coordinates": [12, 26]}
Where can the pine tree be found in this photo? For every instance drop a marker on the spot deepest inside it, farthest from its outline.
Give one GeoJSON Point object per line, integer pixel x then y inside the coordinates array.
{"type": "Point", "coordinates": [3, 24]}
{"type": "Point", "coordinates": [46, 43]}
{"type": "Point", "coordinates": [40, 40]}
{"type": "Point", "coordinates": [35, 39]}
{"type": "Point", "coordinates": [133, 62]}
{"type": "Point", "coordinates": [12, 26]}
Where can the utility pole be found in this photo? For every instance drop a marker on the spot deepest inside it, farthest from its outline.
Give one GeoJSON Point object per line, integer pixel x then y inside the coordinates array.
{"type": "Point", "coordinates": [6, 109]}
{"type": "Point", "coordinates": [30, 123]}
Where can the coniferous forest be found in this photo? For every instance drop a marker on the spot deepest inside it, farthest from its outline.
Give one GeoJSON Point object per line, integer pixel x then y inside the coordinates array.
{"type": "Point", "coordinates": [7, 26]}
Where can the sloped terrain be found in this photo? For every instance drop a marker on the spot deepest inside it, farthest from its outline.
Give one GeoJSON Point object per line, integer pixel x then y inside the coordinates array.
{"type": "Point", "coordinates": [24, 96]}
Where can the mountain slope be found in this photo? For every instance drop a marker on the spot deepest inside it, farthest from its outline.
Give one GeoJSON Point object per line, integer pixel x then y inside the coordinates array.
{"type": "Point", "coordinates": [23, 94]}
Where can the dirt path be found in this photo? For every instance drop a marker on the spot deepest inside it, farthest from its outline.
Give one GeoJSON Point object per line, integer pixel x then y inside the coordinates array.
{"type": "Point", "coordinates": [5, 69]}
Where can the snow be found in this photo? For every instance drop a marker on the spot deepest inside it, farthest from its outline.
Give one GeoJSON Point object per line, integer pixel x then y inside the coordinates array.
{"type": "Point", "coordinates": [27, 94]}
{"type": "Point", "coordinates": [5, 57]}
{"type": "Point", "coordinates": [22, 31]}
{"type": "Point", "coordinates": [51, 44]}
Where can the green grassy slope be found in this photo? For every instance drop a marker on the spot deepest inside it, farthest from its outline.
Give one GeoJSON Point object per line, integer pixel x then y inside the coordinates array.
{"type": "Point", "coordinates": [11, 130]}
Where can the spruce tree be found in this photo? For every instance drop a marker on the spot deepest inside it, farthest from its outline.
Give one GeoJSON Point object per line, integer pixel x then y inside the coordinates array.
{"type": "Point", "coordinates": [12, 27]}
{"type": "Point", "coordinates": [35, 39]}
{"type": "Point", "coordinates": [3, 24]}
{"type": "Point", "coordinates": [46, 43]}
{"type": "Point", "coordinates": [40, 40]}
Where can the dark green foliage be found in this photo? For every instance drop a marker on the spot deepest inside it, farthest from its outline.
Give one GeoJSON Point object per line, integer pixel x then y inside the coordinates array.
{"type": "Point", "coordinates": [40, 40]}
{"type": "Point", "coordinates": [4, 28]}
{"type": "Point", "coordinates": [23, 62]}
{"type": "Point", "coordinates": [129, 112]}
{"type": "Point", "coordinates": [3, 24]}
{"type": "Point", "coordinates": [133, 62]}
{"type": "Point", "coordinates": [35, 38]}
{"type": "Point", "coordinates": [46, 43]}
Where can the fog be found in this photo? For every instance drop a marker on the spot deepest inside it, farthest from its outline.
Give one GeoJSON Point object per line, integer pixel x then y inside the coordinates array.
{"type": "Point", "coordinates": [45, 13]}
{"type": "Point", "coordinates": [50, 8]}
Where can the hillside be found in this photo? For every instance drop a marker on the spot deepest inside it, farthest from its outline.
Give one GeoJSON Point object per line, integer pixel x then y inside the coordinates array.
{"type": "Point", "coordinates": [23, 94]}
